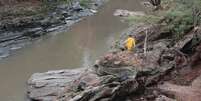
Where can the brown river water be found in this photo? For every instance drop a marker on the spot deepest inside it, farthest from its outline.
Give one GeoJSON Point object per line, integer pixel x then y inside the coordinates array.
{"type": "Point", "coordinates": [78, 47]}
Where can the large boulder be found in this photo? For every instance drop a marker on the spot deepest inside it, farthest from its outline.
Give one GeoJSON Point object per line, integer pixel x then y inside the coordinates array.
{"type": "Point", "coordinates": [158, 58]}
{"type": "Point", "coordinates": [51, 85]}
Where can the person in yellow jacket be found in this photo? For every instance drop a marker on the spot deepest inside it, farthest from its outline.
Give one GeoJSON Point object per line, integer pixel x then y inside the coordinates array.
{"type": "Point", "coordinates": [130, 43]}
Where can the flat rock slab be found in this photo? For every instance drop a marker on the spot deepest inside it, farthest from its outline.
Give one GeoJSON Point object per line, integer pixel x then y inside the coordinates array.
{"type": "Point", "coordinates": [51, 84]}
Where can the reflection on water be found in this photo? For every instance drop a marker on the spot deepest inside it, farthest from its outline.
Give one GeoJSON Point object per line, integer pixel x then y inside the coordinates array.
{"type": "Point", "coordinates": [86, 59]}
{"type": "Point", "coordinates": [78, 47]}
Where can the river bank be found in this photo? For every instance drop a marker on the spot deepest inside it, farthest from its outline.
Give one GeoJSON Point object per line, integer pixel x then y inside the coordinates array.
{"type": "Point", "coordinates": [77, 47]}
{"type": "Point", "coordinates": [27, 21]}
{"type": "Point", "coordinates": [161, 73]}
{"type": "Point", "coordinates": [122, 76]}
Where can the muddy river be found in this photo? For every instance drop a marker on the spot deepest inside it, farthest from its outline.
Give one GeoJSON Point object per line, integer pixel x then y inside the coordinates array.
{"type": "Point", "coordinates": [80, 46]}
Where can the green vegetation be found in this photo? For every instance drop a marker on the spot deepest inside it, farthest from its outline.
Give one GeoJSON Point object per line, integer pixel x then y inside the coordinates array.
{"type": "Point", "coordinates": [85, 3]}
{"type": "Point", "coordinates": [179, 16]}
{"type": "Point", "coordinates": [149, 19]}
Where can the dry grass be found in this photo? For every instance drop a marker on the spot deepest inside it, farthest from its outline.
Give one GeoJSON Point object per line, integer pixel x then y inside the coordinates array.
{"type": "Point", "coordinates": [8, 10]}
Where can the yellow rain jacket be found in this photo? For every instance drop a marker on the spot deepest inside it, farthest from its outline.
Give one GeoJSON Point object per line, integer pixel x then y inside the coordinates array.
{"type": "Point", "coordinates": [130, 43]}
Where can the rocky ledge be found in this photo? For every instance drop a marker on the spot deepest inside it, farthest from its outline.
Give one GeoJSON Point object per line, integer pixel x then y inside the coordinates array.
{"type": "Point", "coordinates": [16, 32]}
{"type": "Point", "coordinates": [161, 73]}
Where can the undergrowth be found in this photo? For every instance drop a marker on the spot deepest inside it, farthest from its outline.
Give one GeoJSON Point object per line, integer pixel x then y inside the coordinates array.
{"type": "Point", "coordinates": [179, 16]}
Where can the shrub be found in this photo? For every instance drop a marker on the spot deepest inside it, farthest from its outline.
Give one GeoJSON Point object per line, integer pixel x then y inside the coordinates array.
{"type": "Point", "coordinates": [180, 16]}
{"type": "Point", "coordinates": [179, 20]}
{"type": "Point", "coordinates": [85, 3]}
{"type": "Point", "coordinates": [149, 19]}
{"type": "Point", "coordinates": [183, 16]}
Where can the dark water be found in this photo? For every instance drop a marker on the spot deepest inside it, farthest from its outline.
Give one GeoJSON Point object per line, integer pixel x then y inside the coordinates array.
{"type": "Point", "coordinates": [78, 47]}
